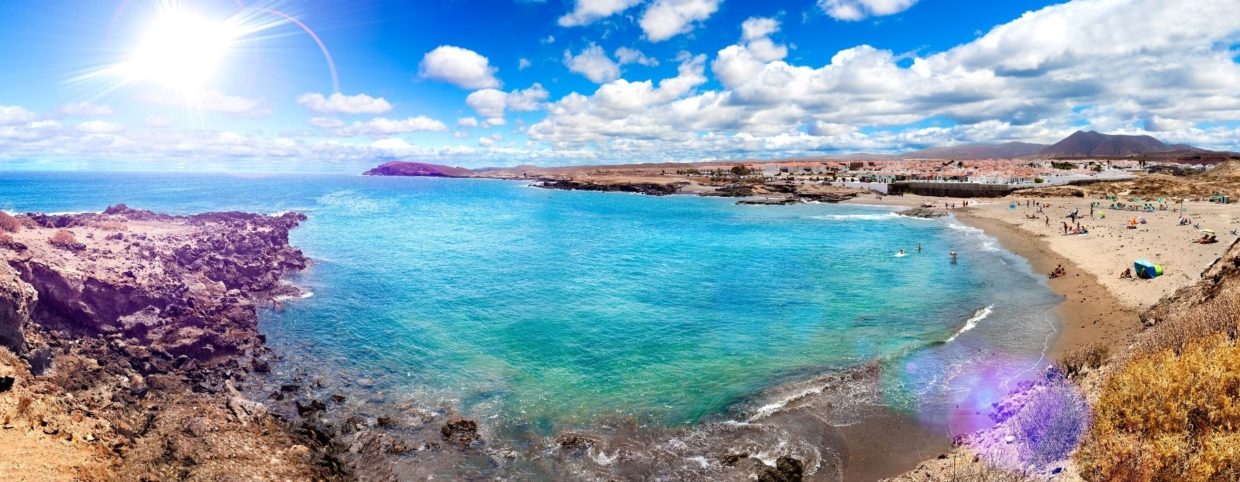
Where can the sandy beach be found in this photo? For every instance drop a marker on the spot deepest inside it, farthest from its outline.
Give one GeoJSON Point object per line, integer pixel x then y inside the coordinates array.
{"type": "Point", "coordinates": [1099, 306]}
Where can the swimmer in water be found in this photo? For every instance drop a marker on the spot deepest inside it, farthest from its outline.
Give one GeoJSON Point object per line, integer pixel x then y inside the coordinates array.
{"type": "Point", "coordinates": [901, 253]}
{"type": "Point", "coordinates": [953, 255]}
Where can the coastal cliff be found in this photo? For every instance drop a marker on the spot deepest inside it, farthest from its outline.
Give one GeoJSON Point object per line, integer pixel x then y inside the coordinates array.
{"type": "Point", "coordinates": [127, 335]}
{"type": "Point", "coordinates": [417, 169]}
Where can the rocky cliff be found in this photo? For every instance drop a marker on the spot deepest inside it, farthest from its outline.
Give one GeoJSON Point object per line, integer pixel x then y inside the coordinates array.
{"type": "Point", "coordinates": [132, 331]}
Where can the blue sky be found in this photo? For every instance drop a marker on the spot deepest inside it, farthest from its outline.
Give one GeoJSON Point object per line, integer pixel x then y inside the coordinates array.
{"type": "Point", "coordinates": [589, 81]}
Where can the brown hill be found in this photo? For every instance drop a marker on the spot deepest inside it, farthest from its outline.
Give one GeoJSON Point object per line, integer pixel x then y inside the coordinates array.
{"type": "Point", "coordinates": [1094, 144]}
{"type": "Point", "coordinates": [419, 169]}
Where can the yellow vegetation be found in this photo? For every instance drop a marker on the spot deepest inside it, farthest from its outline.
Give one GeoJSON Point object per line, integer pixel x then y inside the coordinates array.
{"type": "Point", "coordinates": [1169, 417]}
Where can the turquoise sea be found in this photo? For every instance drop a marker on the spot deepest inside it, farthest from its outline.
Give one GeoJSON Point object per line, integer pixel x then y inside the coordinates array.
{"type": "Point", "coordinates": [540, 311]}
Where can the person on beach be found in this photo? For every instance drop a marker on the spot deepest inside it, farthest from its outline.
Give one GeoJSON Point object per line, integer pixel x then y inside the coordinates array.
{"type": "Point", "coordinates": [1127, 274]}
{"type": "Point", "coordinates": [1059, 271]}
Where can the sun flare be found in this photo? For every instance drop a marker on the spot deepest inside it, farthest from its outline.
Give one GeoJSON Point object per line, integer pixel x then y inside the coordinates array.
{"type": "Point", "coordinates": [180, 50]}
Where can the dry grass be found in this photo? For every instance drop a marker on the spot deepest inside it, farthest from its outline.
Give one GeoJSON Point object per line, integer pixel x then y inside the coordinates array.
{"type": "Point", "coordinates": [1075, 362]}
{"type": "Point", "coordinates": [63, 238]}
{"type": "Point", "coordinates": [1218, 315]}
{"type": "Point", "coordinates": [1169, 416]}
{"type": "Point", "coordinates": [8, 223]}
{"type": "Point", "coordinates": [1172, 411]}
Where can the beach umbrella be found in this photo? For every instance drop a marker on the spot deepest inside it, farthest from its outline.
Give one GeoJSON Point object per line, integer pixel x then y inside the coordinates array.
{"type": "Point", "coordinates": [1207, 231]}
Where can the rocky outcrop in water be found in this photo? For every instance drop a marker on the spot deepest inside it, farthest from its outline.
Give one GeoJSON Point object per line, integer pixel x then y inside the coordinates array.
{"type": "Point", "coordinates": [648, 188]}
{"type": "Point", "coordinates": [923, 213]}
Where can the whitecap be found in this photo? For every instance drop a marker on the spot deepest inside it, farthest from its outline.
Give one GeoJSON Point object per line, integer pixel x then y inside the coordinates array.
{"type": "Point", "coordinates": [971, 323]}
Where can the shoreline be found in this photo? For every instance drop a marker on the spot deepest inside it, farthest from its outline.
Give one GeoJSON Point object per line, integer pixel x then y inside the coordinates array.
{"type": "Point", "coordinates": [1089, 313]}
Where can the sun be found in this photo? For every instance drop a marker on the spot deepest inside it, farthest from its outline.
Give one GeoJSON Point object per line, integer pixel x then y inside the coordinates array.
{"type": "Point", "coordinates": [181, 50]}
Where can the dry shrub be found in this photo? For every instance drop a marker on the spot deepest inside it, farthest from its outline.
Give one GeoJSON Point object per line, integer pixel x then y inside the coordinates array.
{"type": "Point", "coordinates": [1074, 363]}
{"type": "Point", "coordinates": [63, 238]}
{"type": "Point", "coordinates": [5, 239]}
{"type": "Point", "coordinates": [23, 405]}
{"type": "Point", "coordinates": [1219, 315]}
{"type": "Point", "coordinates": [8, 223]}
{"type": "Point", "coordinates": [1169, 416]}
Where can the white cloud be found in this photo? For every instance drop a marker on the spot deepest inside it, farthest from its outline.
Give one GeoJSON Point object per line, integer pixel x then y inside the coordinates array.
{"type": "Point", "coordinates": [491, 103]}
{"type": "Point", "coordinates": [587, 11]}
{"type": "Point", "coordinates": [625, 55]}
{"type": "Point", "coordinates": [665, 19]}
{"type": "Point", "coordinates": [853, 10]}
{"type": "Point", "coordinates": [209, 101]}
{"type": "Point", "coordinates": [15, 115]}
{"type": "Point", "coordinates": [467, 122]}
{"type": "Point", "coordinates": [527, 100]}
{"type": "Point", "coordinates": [338, 103]}
{"type": "Point", "coordinates": [754, 28]}
{"type": "Point", "coordinates": [488, 103]}
{"type": "Point", "coordinates": [547, 40]}
{"type": "Point", "coordinates": [85, 109]}
{"type": "Point", "coordinates": [382, 126]}
{"type": "Point", "coordinates": [593, 63]}
{"type": "Point", "coordinates": [99, 127]}
{"type": "Point", "coordinates": [523, 63]}
{"type": "Point", "coordinates": [461, 67]}
{"type": "Point", "coordinates": [1132, 66]}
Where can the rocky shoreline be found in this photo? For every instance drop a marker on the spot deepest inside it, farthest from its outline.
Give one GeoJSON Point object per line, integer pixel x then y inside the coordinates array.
{"type": "Point", "coordinates": [126, 336]}
{"type": "Point", "coordinates": [130, 350]}
{"type": "Point", "coordinates": [751, 194]}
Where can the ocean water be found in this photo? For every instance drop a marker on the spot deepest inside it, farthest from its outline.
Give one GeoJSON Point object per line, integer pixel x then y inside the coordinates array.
{"type": "Point", "coordinates": [542, 311]}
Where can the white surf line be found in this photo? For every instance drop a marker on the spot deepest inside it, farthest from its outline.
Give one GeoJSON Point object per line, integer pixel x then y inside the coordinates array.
{"type": "Point", "coordinates": [1046, 348]}
{"type": "Point", "coordinates": [971, 323]}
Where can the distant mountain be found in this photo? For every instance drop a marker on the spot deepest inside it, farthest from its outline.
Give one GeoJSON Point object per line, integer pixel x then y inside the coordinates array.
{"type": "Point", "coordinates": [1007, 150]}
{"type": "Point", "coordinates": [1094, 144]}
{"type": "Point", "coordinates": [402, 168]}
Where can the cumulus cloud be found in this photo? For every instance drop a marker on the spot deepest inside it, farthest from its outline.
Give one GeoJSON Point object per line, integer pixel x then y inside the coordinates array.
{"type": "Point", "coordinates": [665, 19]}
{"type": "Point", "coordinates": [587, 11]}
{"type": "Point", "coordinates": [625, 55]}
{"type": "Point", "coordinates": [523, 63]}
{"type": "Point", "coordinates": [491, 103]}
{"type": "Point", "coordinates": [338, 103]}
{"type": "Point", "coordinates": [467, 122]}
{"type": "Point", "coordinates": [854, 10]}
{"type": "Point", "coordinates": [1142, 66]}
{"type": "Point", "coordinates": [85, 109]}
{"type": "Point", "coordinates": [458, 66]}
{"type": "Point", "coordinates": [593, 63]}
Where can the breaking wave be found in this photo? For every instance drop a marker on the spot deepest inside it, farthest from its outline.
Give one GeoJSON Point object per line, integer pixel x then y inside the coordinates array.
{"type": "Point", "coordinates": [971, 323]}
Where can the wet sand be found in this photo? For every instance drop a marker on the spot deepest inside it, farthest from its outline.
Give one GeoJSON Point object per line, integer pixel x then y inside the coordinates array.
{"type": "Point", "coordinates": [1090, 313]}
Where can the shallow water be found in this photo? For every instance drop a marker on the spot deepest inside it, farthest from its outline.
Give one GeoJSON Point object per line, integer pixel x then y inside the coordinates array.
{"type": "Point", "coordinates": [540, 311]}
